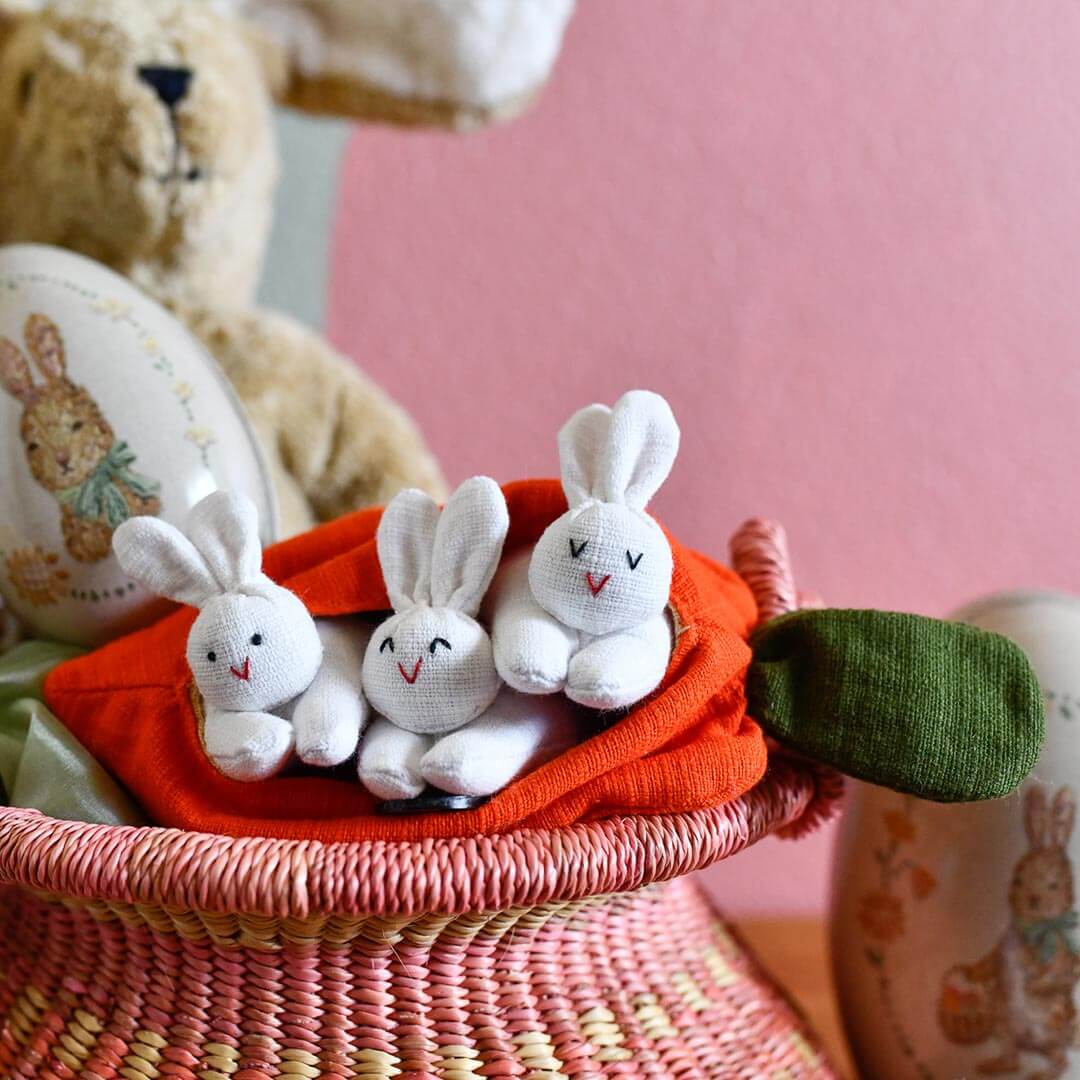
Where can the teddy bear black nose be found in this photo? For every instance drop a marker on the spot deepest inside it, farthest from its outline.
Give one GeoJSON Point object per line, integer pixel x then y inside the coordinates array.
{"type": "Point", "coordinates": [171, 84]}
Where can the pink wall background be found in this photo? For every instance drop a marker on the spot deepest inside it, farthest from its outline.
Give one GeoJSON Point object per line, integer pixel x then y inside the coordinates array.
{"type": "Point", "coordinates": [843, 239]}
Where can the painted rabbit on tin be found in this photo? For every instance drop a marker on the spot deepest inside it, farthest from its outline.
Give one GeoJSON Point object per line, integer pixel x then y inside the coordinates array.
{"type": "Point", "coordinates": [272, 678]}
{"type": "Point", "coordinates": [446, 719]}
{"type": "Point", "coordinates": [1033, 971]}
{"type": "Point", "coordinates": [72, 449]}
{"type": "Point", "coordinates": [585, 610]}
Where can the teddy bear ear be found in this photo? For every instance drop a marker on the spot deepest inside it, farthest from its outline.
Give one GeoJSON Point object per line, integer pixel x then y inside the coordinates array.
{"type": "Point", "coordinates": [11, 12]}
{"type": "Point", "coordinates": [272, 57]}
{"type": "Point", "coordinates": [431, 62]}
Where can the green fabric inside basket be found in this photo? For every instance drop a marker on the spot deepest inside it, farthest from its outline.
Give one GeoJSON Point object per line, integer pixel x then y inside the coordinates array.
{"type": "Point", "coordinates": [42, 765]}
{"type": "Point", "coordinates": [941, 710]}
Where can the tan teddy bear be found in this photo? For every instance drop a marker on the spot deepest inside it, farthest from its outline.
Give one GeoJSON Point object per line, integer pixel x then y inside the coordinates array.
{"type": "Point", "coordinates": [139, 132]}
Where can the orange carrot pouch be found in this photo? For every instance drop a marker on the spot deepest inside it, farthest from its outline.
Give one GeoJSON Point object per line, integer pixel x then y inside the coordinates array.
{"type": "Point", "coordinates": [687, 747]}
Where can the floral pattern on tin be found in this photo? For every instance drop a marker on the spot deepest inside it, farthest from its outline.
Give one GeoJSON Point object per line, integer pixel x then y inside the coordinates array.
{"type": "Point", "coordinates": [884, 911]}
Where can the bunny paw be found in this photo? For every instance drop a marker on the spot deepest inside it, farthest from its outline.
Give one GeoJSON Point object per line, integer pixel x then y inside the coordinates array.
{"type": "Point", "coordinates": [248, 746]}
{"type": "Point", "coordinates": [328, 728]}
{"type": "Point", "coordinates": [462, 765]}
{"type": "Point", "coordinates": [389, 765]}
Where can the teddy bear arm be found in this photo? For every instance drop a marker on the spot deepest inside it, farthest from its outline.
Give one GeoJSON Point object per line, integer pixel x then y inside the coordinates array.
{"type": "Point", "coordinates": [335, 441]}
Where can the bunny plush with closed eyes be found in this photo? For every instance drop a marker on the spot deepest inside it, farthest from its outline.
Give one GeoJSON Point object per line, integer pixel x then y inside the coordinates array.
{"type": "Point", "coordinates": [272, 679]}
{"type": "Point", "coordinates": [445, 717]}
{"type": "Point", "coordinates": [585, 610]}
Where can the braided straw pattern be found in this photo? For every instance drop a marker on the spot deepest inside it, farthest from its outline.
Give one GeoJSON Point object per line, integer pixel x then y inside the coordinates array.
{"type": "Point", "coordinates": [759, 555]}
{"type": "Point", "coordinates": [295, 879]}
{"type": "Point", "coordinates": [647, 984]}
{"type": "Point", "coordinates": [146, 953]}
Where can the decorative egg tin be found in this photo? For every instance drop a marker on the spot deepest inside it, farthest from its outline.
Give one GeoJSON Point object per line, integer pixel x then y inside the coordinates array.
{"type": "Point", "coordinates": [109, 408]}
{"type": "Point", "coordinates": [956, 940]}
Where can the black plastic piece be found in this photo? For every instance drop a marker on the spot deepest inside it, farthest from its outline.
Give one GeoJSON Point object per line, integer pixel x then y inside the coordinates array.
{"type": "Point", "coordinates": [432, 801]}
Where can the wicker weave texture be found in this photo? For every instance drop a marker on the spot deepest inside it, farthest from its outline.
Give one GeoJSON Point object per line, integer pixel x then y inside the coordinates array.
{"type": "Point", "coordinates": [578, 952]}
{"type": "Point", "coordinates": [648, 984]}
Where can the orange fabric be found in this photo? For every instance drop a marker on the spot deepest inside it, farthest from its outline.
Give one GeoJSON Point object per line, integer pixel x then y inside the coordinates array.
{"type": "Point", "coordinates": [689, 746]}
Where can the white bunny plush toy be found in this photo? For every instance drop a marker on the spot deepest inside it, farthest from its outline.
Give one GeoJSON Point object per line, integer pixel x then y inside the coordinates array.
{"type": "Point", "coordinates": [585, 610]}
{"type": "Point", "coordinates": [272, 679]}
{"type": "Point", "coordinates": [445, 717]}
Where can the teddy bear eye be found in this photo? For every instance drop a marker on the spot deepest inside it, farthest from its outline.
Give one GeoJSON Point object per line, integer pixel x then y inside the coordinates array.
{"type": "Point", "coordinates": [256, 639]}
{"type": "Point", "coordinates": [388, 643]}
{"type": "Point", "coordinates": [633, 560]}
{"type": "Point", "coordinates": [77, 426]}
{"type": "Point", "coordinates": [577, 549]}
{"type": "Point", "coordinates": [212, 656]}
{"type": "Point", "coordinates": [33, 447]}
{"type": "Point", "coordinates": [438, 641]}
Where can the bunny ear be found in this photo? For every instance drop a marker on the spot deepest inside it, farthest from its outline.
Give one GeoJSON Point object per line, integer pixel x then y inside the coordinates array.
{"type": "Point", "coordinates": [642, 445]}
{"type": "Point", "coordinates": [582, 443]}
{"type": "Point", "coordinates": [1062, 817]}
{"type": "Point", "coordinates": [46, 346]}
{"type": "Point", "coordinates": [1035, 819]}
{"type": "Point", "coordinates": [404, 539]}
{"type": "Point", "coordinates": [15, 372]}
{"type": "Point", "coordinates": [224, 527]}
{"type": "Point", "coordinates": [162, 559]}
{"type": "Point", "coordinates": [468, 544]}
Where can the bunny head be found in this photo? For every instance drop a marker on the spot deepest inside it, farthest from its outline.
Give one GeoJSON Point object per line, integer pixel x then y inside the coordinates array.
{"type": "Point", "coordinates": [429, 668]}
{"type": "Point", "coordinates": [1042, 884]}
{"type": "Point", "coordinates": [63, 430]}
{"type": "Point", "coordinates": [254, 645]}
{"type": "Point", "coordinates": [605, 565]}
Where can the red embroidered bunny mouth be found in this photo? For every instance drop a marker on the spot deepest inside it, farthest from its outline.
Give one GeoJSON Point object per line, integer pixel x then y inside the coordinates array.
{"type": "Point", "coordinates": [244, 672]}
{"type": "Point", "coordinates": [410, 679]}
{"type": "Point", "coordinates": [596, 587]}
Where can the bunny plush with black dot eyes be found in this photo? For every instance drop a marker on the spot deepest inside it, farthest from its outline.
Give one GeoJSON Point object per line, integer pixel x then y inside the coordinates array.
{"type": "Point", "coordinates": [445, 717]}
{"type": "Point", "coordinates": [273, 680]}
{"type": "Point", "coordinates": [585, 610]}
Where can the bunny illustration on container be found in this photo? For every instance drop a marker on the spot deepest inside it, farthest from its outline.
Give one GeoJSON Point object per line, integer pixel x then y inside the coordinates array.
{"type": "Point", "coordinates": [445, 717]}
{"type": "Point", "coordinates": [72, 449]}
{"type": "Point", "coordinates": [585, 611]}
{"type": "Point", "coordinates": [1022, 991]}
{"type": "Point", "coordinates": [272, 678]}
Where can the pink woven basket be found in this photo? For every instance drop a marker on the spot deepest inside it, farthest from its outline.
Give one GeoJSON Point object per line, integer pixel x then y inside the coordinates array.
{"type": "Point", "coordinates": [580, 952]}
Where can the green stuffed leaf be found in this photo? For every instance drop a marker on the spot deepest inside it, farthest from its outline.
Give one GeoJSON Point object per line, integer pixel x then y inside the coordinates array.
{"type": "Point", "coordinates": [942, 710]}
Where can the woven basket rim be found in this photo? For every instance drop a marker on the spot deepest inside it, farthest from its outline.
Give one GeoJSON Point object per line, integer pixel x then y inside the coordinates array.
{"type": "Point", "coordinates": [192, 871]}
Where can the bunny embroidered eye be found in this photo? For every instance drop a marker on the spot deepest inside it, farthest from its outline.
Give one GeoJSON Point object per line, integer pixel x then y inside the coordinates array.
{"type": "Point", "coordinates": [388, 643]}
{"type": "Point", "coordinates": [212, 656]}
{"type": "Point", "coordinates": [256, 639]}
{"type": "Point", "coordinates": [438, 641]}
{"type": "Point", "coordinates": [577, 549]}
{"type": "Point", "coordinates": [633, 560]}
